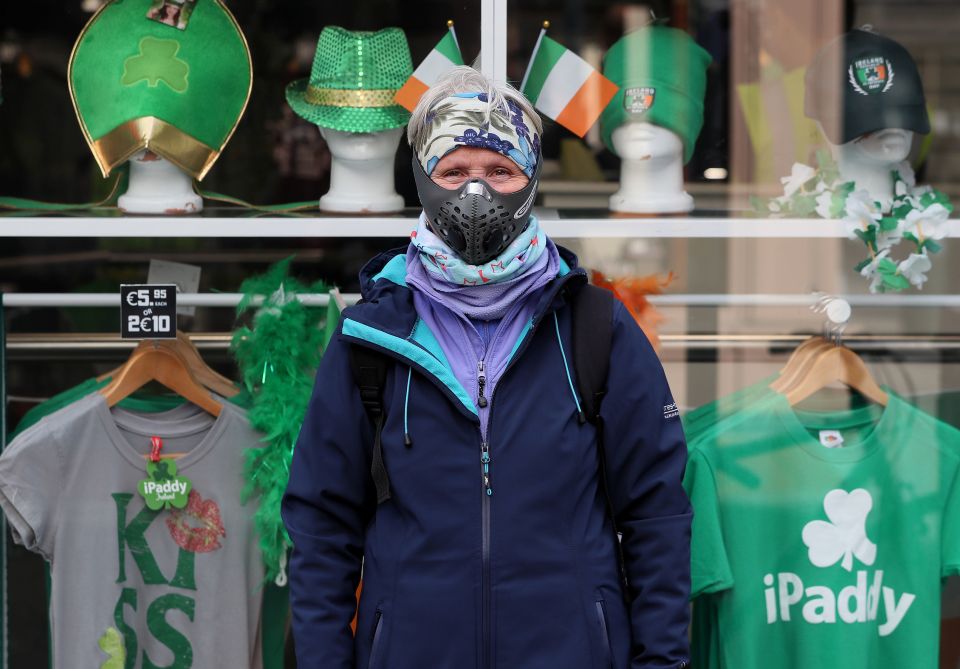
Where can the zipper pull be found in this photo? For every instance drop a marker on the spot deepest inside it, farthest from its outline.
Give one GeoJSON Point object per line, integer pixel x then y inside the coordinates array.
{"type": "Point", "coordinates": [485, 459]}
{"type": "Point", "coordinates": [481, 384]}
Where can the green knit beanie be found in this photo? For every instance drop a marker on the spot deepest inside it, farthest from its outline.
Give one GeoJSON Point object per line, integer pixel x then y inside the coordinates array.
{"type": "Point", "coordinates": [662, 75]}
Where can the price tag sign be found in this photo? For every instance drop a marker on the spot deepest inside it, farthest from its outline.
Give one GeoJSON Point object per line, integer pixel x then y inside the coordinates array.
{"type": "Point", "coordinates": [148, 311]}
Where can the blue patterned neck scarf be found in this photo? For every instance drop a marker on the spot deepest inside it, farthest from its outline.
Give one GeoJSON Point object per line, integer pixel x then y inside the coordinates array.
{"type": "Point", "coordinates": [443, 263]}
{"type": "Point", "coordinates": [486, 292]}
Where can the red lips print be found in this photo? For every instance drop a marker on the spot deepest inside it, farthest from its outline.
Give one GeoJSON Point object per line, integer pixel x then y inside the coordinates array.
{"type": "Point", "coordinates": [198, 527]}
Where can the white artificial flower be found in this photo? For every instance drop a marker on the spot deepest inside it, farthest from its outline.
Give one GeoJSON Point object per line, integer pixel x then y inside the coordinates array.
{"type": "Point", "coordinates": [929, 223]}
{"type": "Point", "coordinates": [901, 189]}
{"type": "Point", "coordinates": [862, 212]}
{"type": "Point", "coordinates": [775, 205]}
{"type": "Point", "coordinates": [824, 201]}
{"type": "Point", "coordinates": [799, 175]}
{"type": "Point", "coordinates": [906, 174]}
{"type": "Point", "coordinates": [914, 269]}
{"type": "Point", "coordinates": [870, 271]}
{"type": "Point", "coordinates": [886, 240]}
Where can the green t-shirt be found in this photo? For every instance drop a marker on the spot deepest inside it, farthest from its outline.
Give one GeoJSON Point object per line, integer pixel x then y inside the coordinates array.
{"type": "Point", "coordinates": [816, 556]}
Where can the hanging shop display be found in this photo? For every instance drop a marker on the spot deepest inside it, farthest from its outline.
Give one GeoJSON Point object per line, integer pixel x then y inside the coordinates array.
{"type": "Point", "coordinates": [140, 518]}
{"type": "Point", "coordinates": [278, 355]}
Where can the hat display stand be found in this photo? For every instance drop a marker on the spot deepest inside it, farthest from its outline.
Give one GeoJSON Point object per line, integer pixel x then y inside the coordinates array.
{"type": "Point", "coordinates": [157, 186]}
{"type": "Point", "coordinates": [870, 160]}
{"type": "Point", "coordinates": [651, 170]}
{"type": "Point", "coordinates": [362, 171]}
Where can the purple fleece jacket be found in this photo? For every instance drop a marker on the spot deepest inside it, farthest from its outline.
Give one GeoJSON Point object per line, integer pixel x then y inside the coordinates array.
{"type": "Point", "coordinates": [465, 342]}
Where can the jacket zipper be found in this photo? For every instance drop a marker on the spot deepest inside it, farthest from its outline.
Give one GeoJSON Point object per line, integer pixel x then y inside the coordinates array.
{"type": "Point", "coordinates": [481, 385]}
{"type": "Point", "coordinates": [486, 662]}
{"type": "Point", "coordinates": [604, 632]}
{"type": "Point", "coordinates": [375, 644]}
{"type": "Point", "coordinates": [485, 495]}
{"type": "Point", "coordinates": [487, 492]}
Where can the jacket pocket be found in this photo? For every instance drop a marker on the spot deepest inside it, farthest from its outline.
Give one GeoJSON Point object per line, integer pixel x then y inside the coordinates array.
{"type": "Point", "coordinates": [377, 639]}
{"type": "Point", "coordinates": [604, 632]}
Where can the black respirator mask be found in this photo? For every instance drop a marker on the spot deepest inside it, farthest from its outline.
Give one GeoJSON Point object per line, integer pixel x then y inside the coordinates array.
{"type": "Point", "coordinates": [475, 221]}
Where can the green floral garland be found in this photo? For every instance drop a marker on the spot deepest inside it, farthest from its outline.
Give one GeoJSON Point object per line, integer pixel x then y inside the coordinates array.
{"type": "Point", "coordinates": [278, 358]}
{"type": "Point", "coordinates": [917, 215]}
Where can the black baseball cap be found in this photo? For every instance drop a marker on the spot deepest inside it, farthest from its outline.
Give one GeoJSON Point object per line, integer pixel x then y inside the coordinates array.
{"type": "Point", "coordinates": [863, 82]}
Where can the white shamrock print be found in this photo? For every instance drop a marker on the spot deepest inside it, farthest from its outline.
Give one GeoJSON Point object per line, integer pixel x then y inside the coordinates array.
{"type": "Point", "coordinates": [845, 536]}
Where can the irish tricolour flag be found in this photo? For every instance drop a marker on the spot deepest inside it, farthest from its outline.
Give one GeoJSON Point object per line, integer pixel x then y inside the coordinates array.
{"type": "Point", "coordinates": [564, 87]}
{"type": "Point", "coordinates": [439, 61]}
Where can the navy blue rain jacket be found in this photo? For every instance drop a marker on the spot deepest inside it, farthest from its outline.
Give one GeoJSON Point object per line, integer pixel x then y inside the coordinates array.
{"type": "Point", "coordinates": [453, 578]}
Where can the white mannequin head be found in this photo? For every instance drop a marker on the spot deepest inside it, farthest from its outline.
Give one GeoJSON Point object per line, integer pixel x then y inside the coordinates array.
{"type": "Point", "coordinates": [361, 171]}
{"type": "Point", "coordinates": [890, 146]}
{"type": "Point", "coordinates": [651, 170]}
{"type": "Point", "coordinates": [362, 145]}
{"type": "Point", "coordinates": [870, 159]}
{"type": "Point", "coordinates": [157, 186]}
{"type": "Point", "coordinates": [646, 141]}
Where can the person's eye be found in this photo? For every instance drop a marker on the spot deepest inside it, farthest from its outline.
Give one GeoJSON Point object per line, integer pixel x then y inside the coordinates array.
{"type": "Point", "coordinates": [501, 172]}
{"type": "Point", "coordinates": [453, 174]}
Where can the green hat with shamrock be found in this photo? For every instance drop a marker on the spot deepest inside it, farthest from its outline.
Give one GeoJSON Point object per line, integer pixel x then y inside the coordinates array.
{"type": "Point", "coordinates": [171, 76]}
{"type": "Point", "coordinates": [354, 79]}
{"type": "Point", "coordinates": [662, 75]}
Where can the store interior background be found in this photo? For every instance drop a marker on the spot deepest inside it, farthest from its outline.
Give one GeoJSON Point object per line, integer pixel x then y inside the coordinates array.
{"type": "Point", "coordinates": [277, 157]}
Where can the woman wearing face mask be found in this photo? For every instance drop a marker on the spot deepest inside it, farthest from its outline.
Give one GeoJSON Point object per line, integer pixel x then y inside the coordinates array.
{"type": "Point", "coordinates": [477, 513]}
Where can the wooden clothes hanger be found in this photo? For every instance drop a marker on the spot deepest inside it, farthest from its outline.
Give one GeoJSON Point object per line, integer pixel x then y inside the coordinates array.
{"type": "Point", "coordinates": [799, 362]}
{"type": "Point", "coordinates": [838, 364]}
{"type": "Point", "coordinates": [163, 364]}
{"type": "Point", "coordinates": [182, 345]}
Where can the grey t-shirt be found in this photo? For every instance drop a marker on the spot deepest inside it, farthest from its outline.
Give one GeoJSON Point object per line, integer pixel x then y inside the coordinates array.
{"type": "Point", "coordinates": [173, 589]}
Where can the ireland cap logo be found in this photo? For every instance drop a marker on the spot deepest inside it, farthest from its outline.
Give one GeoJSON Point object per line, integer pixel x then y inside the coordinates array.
{"type": "Point", "coordinates": [871, 75]}
{"type": "Point", "coordinates": [638, 100]}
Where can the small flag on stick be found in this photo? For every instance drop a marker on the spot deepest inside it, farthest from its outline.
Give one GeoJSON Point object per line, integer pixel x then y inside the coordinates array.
{"type": "Point", "coordinates": [441, 59]}
{"type": "Point", "coordinates": [565, 87]}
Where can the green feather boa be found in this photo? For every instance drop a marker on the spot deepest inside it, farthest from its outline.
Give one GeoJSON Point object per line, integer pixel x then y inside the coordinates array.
{"type": "Point", "coordinates": [277, 355]}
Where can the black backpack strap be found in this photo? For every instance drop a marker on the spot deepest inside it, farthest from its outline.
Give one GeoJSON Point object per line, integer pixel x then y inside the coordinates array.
{"type": "Point", "coordinates": [592, 342]}
{"type": "Point", "coordinates": [592, 335]}
{"type": "Point", "coordinates": [370, 375]}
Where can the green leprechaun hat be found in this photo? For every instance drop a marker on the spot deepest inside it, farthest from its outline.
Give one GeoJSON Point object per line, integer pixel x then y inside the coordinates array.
{"type": "Point", "coordinates": [171, 76]}
{"type": "Point", "coordinates": [354, 79]}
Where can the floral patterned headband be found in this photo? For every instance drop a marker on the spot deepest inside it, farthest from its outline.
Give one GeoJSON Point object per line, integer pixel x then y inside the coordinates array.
{"type": "Point", "coordinates": [467, 119]}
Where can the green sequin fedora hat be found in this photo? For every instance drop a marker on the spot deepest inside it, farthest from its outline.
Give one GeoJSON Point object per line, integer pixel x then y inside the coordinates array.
{"type": "Point", "coordinates": [354, 78]}
{"type": "Point", "coordinates": [171, 76]}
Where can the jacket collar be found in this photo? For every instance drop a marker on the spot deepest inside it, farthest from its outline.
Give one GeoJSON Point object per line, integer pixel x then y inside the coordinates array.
{"type": "Point", "coordinates": [386, 319]}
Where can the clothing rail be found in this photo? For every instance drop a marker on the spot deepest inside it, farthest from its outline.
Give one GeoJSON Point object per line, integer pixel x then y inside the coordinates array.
{"type": "Point", "coordinates": [220, 341]}
{"type": "Point", "coordinates": [60, 300]}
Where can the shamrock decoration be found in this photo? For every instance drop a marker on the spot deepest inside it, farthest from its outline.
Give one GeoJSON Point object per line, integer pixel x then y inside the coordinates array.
{"type": "Point", "coordinates": [845, 536]}
{"type": "Point", "coordinates": [156, 62]}
{"type": "Point", "coordinates": [916, 215]}
{"type": "Point", "coordinates": [162, 487]}
{"type": "Point", "coordinates": [111, 643]}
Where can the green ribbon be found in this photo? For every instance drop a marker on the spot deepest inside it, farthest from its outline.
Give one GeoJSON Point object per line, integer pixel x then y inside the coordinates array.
{"type": "Point", "coordinates": [289, 207]}
{"type": "Point", "coordinates": [20, 204]}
